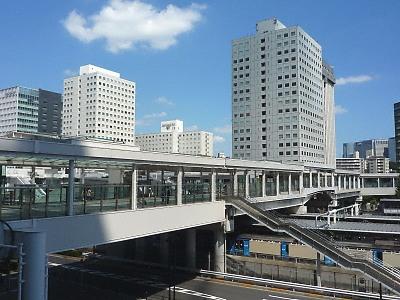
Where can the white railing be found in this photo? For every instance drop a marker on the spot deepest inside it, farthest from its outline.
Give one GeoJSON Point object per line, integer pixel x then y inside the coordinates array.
{"type": "Point", "coordinates": [295, 286]}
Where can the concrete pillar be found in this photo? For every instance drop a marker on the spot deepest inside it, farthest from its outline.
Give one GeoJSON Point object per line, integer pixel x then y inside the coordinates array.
{"type": "Point", "coordinates": [134, 188]}
{"type": "Point", "coordinates": [71, 187]}
{"type": "Point", "coordinates": [311, 179]}
{"type": "Point", "coordinates": [191, 248]}
{"type": "Point", "coordinates": [358, 182]}
{"type": "Point", "coordinates": [357, 210]}
{"type": "Point", "coordinates": [326, 179]}
{"type": "Point", "coordinates": [362, 182]}
{"type": "Point", "coordinates": [35, 265]}
{"type": "Point", "coordinates": [354, 182]}
{"type": "Point", "coordinates": [264, 183]}
{"type": "Point", "coordinates": [235, 184]}
{"type": "Point", "coordinates": [379, 182]}
{"type": "Point", "coordinates": [82, 176]}
{"type": "Point", "coordinates": [393, 182]}
{"type": "Point", "coordinates": [339, 182]}
{"type": "Point", "coordinates": [334, 217]}
{"type": "Point", "coordinates": [351, 211]}
{"type": "Point", "coordinates": [219, 249]}
{"type": "Point", "coordinates": [318, 269]}
{"type": "Point", "coordinates": [301, 182]}
{"type": "Point", "coordinates": [277, 184]}
{"type": "Point", "coordinates": [329, 219]}
{"type": "Point", "coordinates": [213, 181]}
{"type": "Point", "coordinates": [332, 179]}
{"type": "Point", "coordinates": [247, 183]}
{"type": "Point", "coordinates": [290, 183]}
{"type": "Point", "coordinates": [319, 179]}
{"type": "Point", "coordinates": [179, 187]}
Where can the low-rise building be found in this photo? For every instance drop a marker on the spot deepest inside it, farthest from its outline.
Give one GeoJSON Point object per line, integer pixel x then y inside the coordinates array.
{"type": "Point", "coordinates": [173, 139]}
{"type": "Point", "coordinates": [352, 164]}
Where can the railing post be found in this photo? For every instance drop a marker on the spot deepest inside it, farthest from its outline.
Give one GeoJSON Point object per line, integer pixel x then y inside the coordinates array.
{"type": "Point", "coordinates": [134, 188]}
{"type": "Point", "coordinates": [263, 184]}
{"type": "Point", "coordinates": [179, 183]}
{"type": "Point", "coordinates": [213, 185]}
{"type": "Point", "coordinates": [71, 187]}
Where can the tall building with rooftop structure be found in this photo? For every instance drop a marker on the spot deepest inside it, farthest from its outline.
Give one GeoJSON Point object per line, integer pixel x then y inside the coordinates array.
{"type": "Point", "coordinates": [173, 139]}
{"type": "Point", "coordinates": [30, 110]}
{"type": "Point", "coordinates": [282, 97]}
{"type": "Point", "coordinates": [367, 148]}
{"type": "Point", "coordinates": [99, 104]}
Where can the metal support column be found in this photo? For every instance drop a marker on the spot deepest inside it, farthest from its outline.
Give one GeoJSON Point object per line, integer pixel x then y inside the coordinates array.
{"type": "Point", "coordinates": [35, 279]}
{"type": "Point", "coordinates": [277, 184]}
{"type": "Point", "coordinates": [263, 183]}
{"type": "Point", "coordinates": [213, 185]}
{"type": "Point", "coordinates": [191, 248]}
{"type": "Point", "coordinates": [247, 183]}
{"type": "Point", "coordinates": [134, 188]}
{"type": "Point", "coordinates": [71, 187]}
{"type": "Point", "coordinates": [235, 184]}
{"type": "Point", "coordinates": [179, 189]}
{"type": "Point", "coordinates": [301, 182]}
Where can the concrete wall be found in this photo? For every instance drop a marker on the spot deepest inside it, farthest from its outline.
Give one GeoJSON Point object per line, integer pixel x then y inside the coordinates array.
{"type": "Point", "coordinates": [392, 259]}
{"type": "Point", "coordinates": [302, 251]}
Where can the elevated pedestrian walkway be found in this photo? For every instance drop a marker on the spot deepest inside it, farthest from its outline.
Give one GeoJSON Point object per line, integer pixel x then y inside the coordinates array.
{"type": "Point", "coordinates": [374, 268]}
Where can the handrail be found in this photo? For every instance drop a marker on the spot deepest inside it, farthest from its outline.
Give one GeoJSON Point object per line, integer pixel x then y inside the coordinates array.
{"type": "Point", "coordinates": [377, 271]}
{"type": "Point", "coordinates": [296, 286]}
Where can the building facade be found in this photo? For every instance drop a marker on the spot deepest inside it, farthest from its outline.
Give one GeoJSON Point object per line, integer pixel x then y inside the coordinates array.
{"type": "Point", "coordinates": [99, 104]}
{"type": "Point", "coordinates": [280, 110]}
{"type": "Point", "coordinates": [174, 139]}
{"type": "Point", "coordinates": [397, 129]}
{"type": "Point", "coordinates": [378, 164]}
{"type": "Point", "coordinates": [351, 164]}
{"type": "Point", "coordinates": [30, 110]}
{"type": "Point", "coordinates": [367, 148]}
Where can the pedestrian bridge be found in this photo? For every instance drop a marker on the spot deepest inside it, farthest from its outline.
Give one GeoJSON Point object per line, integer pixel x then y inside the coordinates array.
{"type": "Point", "coordinates": [145, 193]}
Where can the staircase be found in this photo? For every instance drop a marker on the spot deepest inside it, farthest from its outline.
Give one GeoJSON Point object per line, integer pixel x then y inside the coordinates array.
{"type": "Point", "coordinates": [388, 276]}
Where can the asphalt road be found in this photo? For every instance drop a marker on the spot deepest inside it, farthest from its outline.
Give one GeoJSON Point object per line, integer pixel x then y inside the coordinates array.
{"type": "Point", "coordinates": [104, 279]}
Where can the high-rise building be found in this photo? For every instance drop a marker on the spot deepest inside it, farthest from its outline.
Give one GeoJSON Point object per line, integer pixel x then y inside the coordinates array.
{"type": "Point", "coordinates": [397, 129]}
{"type": "Point", "coordinates": [30, 110]}
{"type": "Point", "coordinates": [99, 104]}
{"type": "Point", "coordinates": [367, 148]}
{"type": "Point", "coordinates": [392, 149]}
{"type": "Point", "coordinates": [282, 97]}
{"type": "Point", "coordinates": [174, 139]}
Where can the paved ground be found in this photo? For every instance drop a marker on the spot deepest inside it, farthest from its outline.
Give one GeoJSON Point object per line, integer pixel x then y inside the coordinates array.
{"type": "Point", "coordinates": [101, 279]}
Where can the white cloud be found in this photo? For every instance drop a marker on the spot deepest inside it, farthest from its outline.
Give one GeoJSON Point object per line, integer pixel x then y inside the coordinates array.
{"type": "Point", "coordinates": [125, 24]}
{"type": "Point", "coordinates": [192, 128]}
{"type": "Point", "coordinates": [224, 129]}
{"type": "Point", "coordinates": [218, 139]}
{"type": "Point", "coordinates": [340, 110]}
{"type": "Point", "coordinates": [353, 79]}
{"type": "Point", "coordinates": [164, 101]}
{"type": "Point", "coordinates": [149, 118]}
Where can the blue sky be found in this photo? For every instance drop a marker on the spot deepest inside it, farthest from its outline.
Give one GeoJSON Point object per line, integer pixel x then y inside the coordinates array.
{"type": "Point", "coordinates": [182, 69]}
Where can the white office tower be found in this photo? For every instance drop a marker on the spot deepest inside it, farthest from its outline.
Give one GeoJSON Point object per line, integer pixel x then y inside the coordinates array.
{"type": "Point", "coordinates": [174, 139]}
{"type": "Point", "coordinates": [278, 104]}
{"type": "Point", "coordinates": [99, 104]}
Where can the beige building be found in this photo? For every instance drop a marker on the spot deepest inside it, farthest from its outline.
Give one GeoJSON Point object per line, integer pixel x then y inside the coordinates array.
{"type": "Point", "coordinates": [173, 139]}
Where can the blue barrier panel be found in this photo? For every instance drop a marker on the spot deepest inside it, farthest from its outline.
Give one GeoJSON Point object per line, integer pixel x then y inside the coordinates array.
{"type": "Point", "coordinates": [284, 249]}
{"type": "Point", "coordinates": [246, 247]}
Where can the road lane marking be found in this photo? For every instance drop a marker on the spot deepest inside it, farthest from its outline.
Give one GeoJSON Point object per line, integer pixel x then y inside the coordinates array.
{"type": "Point", "coordinates": [197, 294]}
{"type": "Point", "coordinates": [280, 297]}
